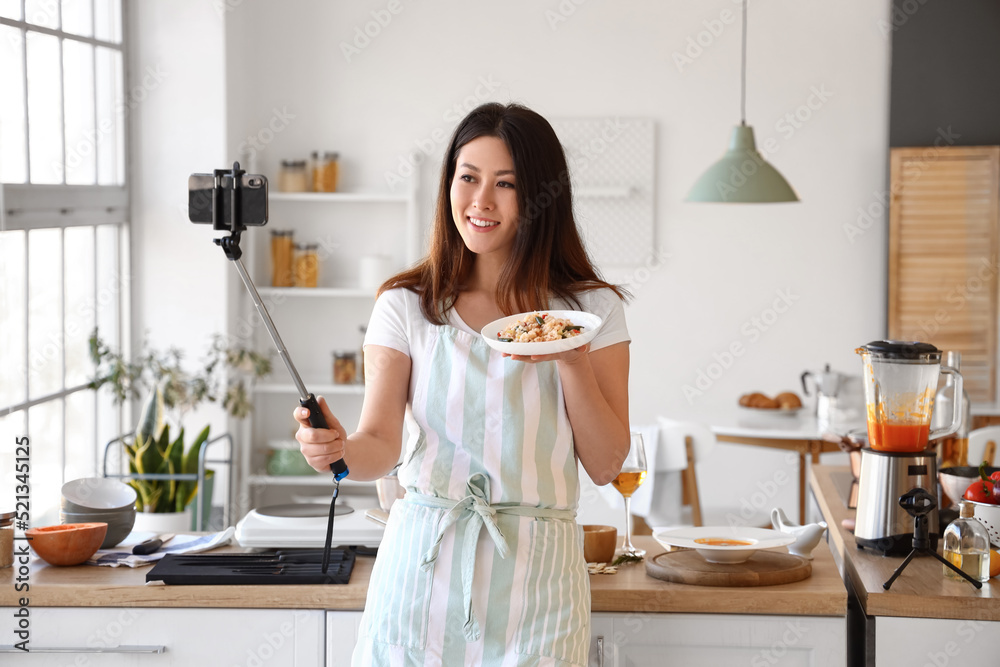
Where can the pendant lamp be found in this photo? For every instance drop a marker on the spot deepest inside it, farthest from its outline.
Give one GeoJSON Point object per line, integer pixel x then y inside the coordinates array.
{"type": "Point", "coordinates": [742, 175]}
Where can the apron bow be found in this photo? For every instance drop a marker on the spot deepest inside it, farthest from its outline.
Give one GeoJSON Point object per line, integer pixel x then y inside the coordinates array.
{"type": "Point", "coordinates": [475, 508]}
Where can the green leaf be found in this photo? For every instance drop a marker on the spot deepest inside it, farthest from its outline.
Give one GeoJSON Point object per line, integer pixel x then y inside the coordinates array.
{"type": "Point", "coordinates": [151, 417]}
{"type": "Point", "coordinates": [174, 457]}
{"type": "Point", "coordinates": [191, 457]}
{"type": "Point", "coordinates": [184, 500]}
{"type": "Point", "coordinates": [187, 489]}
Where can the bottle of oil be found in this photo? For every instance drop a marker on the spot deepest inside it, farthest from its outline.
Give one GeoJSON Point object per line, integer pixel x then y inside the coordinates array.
{"type": "Point", "coordinates": [967, 546]}
{"type": "Point", "coordinates": [954, 449]}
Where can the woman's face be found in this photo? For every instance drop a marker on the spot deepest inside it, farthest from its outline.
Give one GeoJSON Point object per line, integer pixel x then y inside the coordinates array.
{"type": "Point", "coordinates": [483, 198]}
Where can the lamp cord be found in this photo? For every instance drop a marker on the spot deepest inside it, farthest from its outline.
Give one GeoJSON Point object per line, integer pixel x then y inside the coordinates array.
{"type": "Point", "coordinates": [743, 70]}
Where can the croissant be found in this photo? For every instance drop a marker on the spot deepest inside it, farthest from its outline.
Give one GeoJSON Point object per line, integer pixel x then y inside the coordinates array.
{"type": "Point", "coordinates": [788, 400]}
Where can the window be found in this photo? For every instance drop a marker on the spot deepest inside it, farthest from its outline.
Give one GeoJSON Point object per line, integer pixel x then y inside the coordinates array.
{"type": "Point", "coordinates": [63, 235]}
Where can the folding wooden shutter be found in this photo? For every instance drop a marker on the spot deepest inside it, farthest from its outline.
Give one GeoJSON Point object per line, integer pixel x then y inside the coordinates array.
{"type": "Point", "coordinates": [943, 254]}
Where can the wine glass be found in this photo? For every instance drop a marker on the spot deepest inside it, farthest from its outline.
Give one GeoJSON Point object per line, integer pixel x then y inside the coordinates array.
{"type": "Point", "coordinates": [628, 480]}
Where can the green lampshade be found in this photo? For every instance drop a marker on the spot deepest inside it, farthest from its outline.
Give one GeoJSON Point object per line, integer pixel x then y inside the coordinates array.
{"type": "Point", "coordinates": [742, 176]}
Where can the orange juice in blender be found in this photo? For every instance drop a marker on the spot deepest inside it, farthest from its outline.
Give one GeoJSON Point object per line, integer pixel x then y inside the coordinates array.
{"type": "Point", "coordinates": [900, 382]}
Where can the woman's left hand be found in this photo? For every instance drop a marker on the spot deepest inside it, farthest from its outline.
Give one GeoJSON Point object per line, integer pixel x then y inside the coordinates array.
{"type": "Point", "coordinates": [569, 356]}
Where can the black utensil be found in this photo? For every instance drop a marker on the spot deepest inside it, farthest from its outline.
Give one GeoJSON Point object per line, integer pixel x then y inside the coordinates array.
{"type": "Point", "coordinates": [152, 545]}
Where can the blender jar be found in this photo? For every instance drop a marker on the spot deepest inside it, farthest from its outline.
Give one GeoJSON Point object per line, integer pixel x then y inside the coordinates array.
{"type": "Point", "coordinates": [900, 382]}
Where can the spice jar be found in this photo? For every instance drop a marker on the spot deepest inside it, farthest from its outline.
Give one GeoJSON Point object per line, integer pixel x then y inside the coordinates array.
{"type": "Point", "coordinates": [326, 172]}
{"type": "Point", "coordinates": [306, 265]}
{"type": "Point", "coordinates": [345, 367]}
{"type": "Point", "coordinates": [6, 539]}
{"type": "Point", "coordinates": [282, 255]}
{"type": "Point", "coordinates": [293, 176]}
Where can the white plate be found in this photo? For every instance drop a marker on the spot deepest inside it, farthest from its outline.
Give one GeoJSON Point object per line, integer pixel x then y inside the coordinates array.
{"type": "Point", "coordinates": [590, 323]}
{"type": "Point", "coordinates": [759, 538]}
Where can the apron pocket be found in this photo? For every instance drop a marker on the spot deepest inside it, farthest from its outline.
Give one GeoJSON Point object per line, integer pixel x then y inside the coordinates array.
{"type": "Point", "coordinates": [555, 620]}
{"type": "Point", "coordinates": [399, 592]}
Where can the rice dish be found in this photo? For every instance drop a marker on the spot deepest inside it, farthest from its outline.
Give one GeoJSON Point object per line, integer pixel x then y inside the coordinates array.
{"type": "Point", "coordinates": [539, 328]}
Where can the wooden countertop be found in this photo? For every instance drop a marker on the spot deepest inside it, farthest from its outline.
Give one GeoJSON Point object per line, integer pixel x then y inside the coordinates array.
{"type": "Point", "coordinates": [921, 591]}
{"type": "Point", "coordinates": [630, 590]}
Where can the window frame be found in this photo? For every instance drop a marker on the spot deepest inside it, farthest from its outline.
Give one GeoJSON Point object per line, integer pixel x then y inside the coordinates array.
{"type": "Point", "coordinates": [31, 206]}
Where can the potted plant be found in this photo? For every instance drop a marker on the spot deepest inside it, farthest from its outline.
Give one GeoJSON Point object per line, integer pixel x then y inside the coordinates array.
{"type": "Point", "coordinates": [225, 376]}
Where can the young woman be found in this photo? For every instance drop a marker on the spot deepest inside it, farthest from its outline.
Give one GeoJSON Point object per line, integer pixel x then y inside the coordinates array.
{"type": "Point", "coordinates": [481, 563]}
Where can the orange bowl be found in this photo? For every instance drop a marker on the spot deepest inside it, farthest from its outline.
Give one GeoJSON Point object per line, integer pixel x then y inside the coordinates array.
{"type": "Point", "coordinates": [68, 544]}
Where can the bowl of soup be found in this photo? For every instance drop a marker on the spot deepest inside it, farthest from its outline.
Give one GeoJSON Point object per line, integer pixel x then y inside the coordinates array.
{"type": "Point", "coordinates": [723, 544]}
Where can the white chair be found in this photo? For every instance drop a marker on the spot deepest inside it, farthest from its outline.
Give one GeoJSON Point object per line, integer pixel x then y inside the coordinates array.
{"type": "Point", "coordinates": [669, 497]}
{"type": "Point", "coordinates": [675, 498]}
{"type": "Point", "coordinates": [983, 445]}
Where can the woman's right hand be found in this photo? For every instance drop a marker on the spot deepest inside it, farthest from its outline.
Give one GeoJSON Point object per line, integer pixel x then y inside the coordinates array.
{"type": "Point", "coordinates": [320, 446]}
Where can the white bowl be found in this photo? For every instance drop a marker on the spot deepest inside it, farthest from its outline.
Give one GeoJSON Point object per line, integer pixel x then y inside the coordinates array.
{"type": "Point", "coordinates": [590, 323]}
{"type": "Point", "coordinates": [756, 538]}
{"type": "Point", "coordinates": [989, 516]}
{"type": "Point", "coordinates": [120, 523]}
{"type": "Point", "coordinates": [97, 493]}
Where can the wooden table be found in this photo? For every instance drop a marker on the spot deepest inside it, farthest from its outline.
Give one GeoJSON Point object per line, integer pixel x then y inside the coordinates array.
{"type": "Point", "coordinates": [635, 619]}
{"type": "Point", "coordinates": [798, 433]}
{"type": "Point", "coordinates": [629, 590]}
{"type": "Point", "coordinates": [914, 621]}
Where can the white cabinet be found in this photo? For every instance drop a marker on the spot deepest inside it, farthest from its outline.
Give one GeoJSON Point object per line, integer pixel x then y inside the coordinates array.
{"type": "Point", "coordinates": [314, 322]}
{"type": "Point", "coordinates": [903, 642]}
{"type": "Point", "coordinates": [342, 629]}
{"type": "Point", "coordinates": [706, 640]}
{"type": "Point", "coordinates": [602, 633]}
{"type": "Point", "coordinates": [719, 640]}
{"type": "Point", "coordinates": [171, 637]}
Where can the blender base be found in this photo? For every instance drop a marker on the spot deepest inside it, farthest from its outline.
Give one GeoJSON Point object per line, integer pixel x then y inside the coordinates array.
{"type": "Point", "coordinates": [894, 545]}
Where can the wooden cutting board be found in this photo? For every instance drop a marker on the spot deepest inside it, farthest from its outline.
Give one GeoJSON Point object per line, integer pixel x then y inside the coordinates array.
{"type": "Point", "coordinates": [764, 568]}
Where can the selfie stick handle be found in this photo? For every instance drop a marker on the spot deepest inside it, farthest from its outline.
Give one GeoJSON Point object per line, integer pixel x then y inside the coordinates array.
{"type": "Point", "coordinates": [306, 399]}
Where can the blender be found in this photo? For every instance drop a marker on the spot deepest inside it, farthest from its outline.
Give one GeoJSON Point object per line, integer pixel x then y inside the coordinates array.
{"type": "Point", "coordinates": [900, 381]}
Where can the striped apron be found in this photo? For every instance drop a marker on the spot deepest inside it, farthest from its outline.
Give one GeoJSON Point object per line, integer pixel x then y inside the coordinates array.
{"type": "Point", "coordinates": [482, 562]}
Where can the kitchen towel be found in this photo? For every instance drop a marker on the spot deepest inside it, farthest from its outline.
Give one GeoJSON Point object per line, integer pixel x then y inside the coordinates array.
{"type": "Point", "coordinates": [181, 544]}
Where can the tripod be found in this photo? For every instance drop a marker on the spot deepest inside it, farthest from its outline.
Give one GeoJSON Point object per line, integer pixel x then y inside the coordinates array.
{"type": "Point", "coordinates": [918, 504]}
{"type": "Point", "coordinates": [241, 212]}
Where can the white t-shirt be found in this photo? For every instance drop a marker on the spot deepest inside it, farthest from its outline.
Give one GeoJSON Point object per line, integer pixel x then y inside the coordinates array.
{"type": "Point", "coordinates": [398, 322]}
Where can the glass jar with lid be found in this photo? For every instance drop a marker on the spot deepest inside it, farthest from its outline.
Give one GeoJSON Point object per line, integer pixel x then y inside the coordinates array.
{"type": "Point", "coordinates": [282, 257]}
{"type": "Point", "coordinates": [306, 265]}
{"type": "Point", "coordinates": [345, 367]}
{"type": "Point", "coordinates": [326, 173]}
{"type": "Point", "coordinates": [293, 176]}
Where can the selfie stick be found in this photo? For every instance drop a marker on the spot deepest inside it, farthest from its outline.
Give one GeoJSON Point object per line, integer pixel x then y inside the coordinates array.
{"type": "Point", "coordinates": [231, 246]}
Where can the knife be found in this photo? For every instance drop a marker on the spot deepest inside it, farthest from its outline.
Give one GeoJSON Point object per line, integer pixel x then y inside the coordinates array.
{"type": "Point", "coordinates": [152, 544]}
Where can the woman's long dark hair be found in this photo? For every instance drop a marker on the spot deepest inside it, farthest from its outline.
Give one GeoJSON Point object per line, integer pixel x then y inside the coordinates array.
{"type": "Point", "coordinates": [547, 259]}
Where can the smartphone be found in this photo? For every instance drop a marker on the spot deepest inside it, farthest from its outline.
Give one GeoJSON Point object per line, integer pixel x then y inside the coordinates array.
{"type": "Point", "coordinates": [253, 199]}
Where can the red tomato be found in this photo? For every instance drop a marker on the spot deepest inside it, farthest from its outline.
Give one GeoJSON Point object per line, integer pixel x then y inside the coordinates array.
{"type": "Point", "coordinates": [980, 492]}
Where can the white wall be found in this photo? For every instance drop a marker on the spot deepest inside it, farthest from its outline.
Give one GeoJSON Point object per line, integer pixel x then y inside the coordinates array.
{"type": "Point", "coordinates": [726, 264]}
{"type": "Point", "coordinates": [177, 124]}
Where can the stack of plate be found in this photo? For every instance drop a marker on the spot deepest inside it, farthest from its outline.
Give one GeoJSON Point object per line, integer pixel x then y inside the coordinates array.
{"type": "Point", "coordinates": [100, 500]}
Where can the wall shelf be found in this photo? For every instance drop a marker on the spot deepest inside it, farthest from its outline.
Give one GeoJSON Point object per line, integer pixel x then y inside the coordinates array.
{"type": "Point", "coordinates": [609, 192]}
{"type": "Point", "coordinates": [318, 389]}
{"type": "Point", "coordinates": [335, 216]}
{"type": "Point", "coordinates": [302, 480]}
{"type": "Point", "coordinates": [331, 197]}
{"type": "Point", "coordinates": [317, 292]}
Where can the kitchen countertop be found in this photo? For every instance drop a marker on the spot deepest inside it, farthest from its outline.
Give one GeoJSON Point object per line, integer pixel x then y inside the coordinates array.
{"type": "Point", "coordinates": [630, 590]}
{"type": "Point", "coordinates": [921, 591]}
